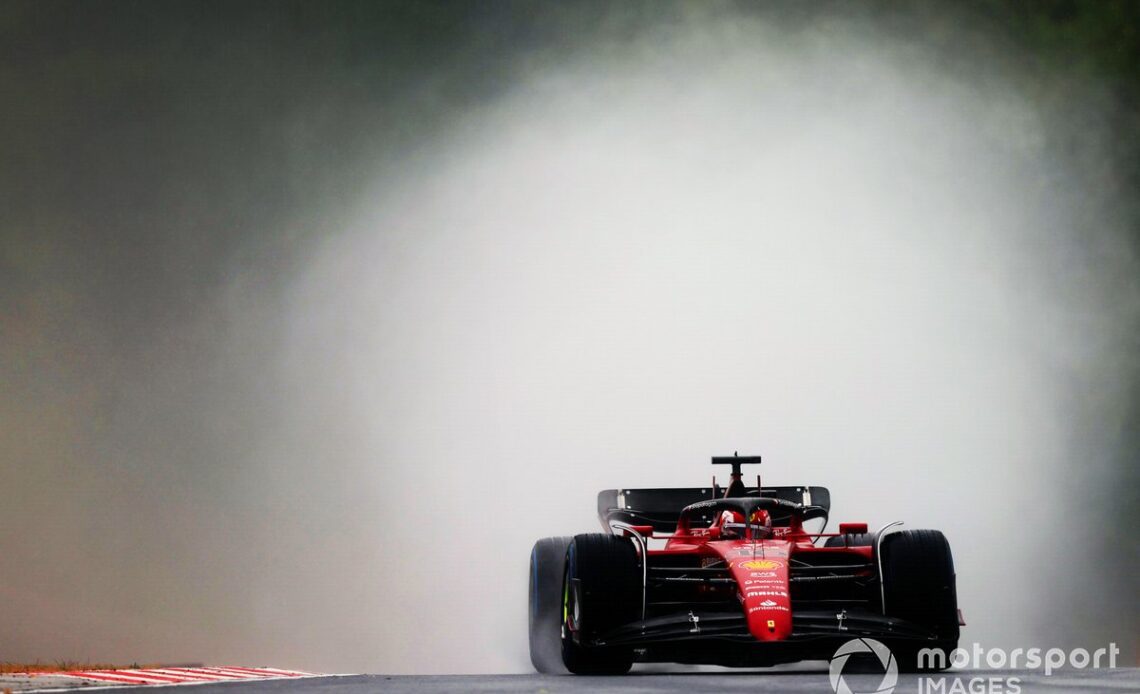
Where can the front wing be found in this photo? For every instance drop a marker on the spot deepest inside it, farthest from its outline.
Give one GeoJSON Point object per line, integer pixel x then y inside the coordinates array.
{"type": "Point", "coordinates": [722, 638]}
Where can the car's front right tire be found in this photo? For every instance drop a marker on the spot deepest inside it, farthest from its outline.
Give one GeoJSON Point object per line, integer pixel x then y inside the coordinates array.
{"type": "Point", "coordinates": [580, 588]}
{"type": "Point", "coordinates": [547, 569]}
{"type": "Point", "coordinates": [602, 590]}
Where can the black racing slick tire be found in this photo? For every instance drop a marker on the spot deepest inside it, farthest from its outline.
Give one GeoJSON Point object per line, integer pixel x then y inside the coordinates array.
{"type": "Point", "coordinates": [851, 540]}
{"type": "Point", "coordinates": [547, 569]}
{"type": "Point", "coordinates": [919, 587]}
{"type": "Point", "coordinates": [602, 591]}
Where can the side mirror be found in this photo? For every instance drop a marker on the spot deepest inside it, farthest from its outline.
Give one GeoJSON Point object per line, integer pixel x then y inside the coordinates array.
{"type": "Point", "coordinates": [852, 528]}
{"type": "Point", "coordinates": [643, 530]}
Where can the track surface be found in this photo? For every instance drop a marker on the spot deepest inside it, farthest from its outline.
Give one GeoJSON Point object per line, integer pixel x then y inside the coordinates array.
{"type": "Point", "coordinates": [1076, 681]}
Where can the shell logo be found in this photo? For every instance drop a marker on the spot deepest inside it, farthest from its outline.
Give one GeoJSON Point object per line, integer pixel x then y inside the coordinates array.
{"type": "Point", "coordinates": [762, 564]}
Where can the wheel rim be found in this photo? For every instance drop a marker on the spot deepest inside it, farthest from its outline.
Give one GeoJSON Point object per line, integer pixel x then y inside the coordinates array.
{"type": "Point", "coordinates": [571, 610]}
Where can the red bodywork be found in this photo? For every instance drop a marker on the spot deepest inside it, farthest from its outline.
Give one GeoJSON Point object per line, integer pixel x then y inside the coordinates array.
{"type": "Point", "coordinates": [759, 566]}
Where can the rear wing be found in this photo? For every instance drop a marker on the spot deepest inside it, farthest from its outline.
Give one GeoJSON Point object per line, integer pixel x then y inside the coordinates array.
{"type": "Point", "coordinates": [661, 508]}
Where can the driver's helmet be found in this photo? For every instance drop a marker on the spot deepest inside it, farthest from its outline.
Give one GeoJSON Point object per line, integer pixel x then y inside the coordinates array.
{"type": "Point", "coordinates": [731, 516]}
{"type": "Point", "coordinates": [761, 522]}
{"type": "Point", "coordinates": [731, 524]}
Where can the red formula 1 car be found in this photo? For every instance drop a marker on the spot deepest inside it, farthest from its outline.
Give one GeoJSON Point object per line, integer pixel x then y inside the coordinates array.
{"type": "Point", "coordinates": [739, 581]}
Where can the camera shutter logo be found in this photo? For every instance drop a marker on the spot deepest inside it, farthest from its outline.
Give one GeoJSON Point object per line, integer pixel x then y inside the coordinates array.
{"type": "Point", "coordinates": [858, 646]}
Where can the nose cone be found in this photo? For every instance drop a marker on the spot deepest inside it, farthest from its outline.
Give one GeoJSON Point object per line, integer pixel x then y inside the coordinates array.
{"type": "Point", "coordinates": [761, 573]}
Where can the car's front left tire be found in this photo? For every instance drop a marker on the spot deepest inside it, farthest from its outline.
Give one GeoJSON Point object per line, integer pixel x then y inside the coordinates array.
{"type": "Point", "coordinates": [919, 587]}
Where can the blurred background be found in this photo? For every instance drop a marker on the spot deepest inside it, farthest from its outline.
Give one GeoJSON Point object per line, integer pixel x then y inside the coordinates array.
{"type": "Point", "coordinates": [314, 316]}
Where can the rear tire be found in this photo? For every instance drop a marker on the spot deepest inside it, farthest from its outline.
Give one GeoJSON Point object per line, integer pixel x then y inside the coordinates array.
{"type": "Point", "coordinates": [547, 568]}
{"type": "Point", "coordinates": [602, 591]}
{"type": "Point", "coordinates": [851, 540]}
{"type": "Point", "coordinates": [919, 587]}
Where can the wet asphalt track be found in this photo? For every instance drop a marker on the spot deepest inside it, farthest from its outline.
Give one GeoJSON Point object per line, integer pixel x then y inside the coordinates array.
{"type": "Point", "coordinates": [1076, 681]}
